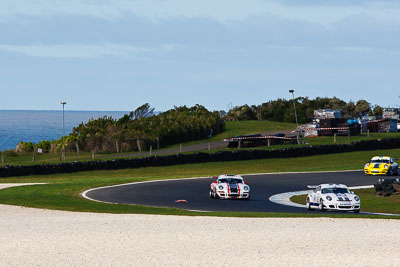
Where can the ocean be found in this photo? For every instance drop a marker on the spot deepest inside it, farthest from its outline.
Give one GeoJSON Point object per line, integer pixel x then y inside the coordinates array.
{"type": "Point", "coordinates": [37, 125]}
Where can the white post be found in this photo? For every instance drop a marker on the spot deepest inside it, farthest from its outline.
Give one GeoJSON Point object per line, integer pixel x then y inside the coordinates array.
{"type": "Point", "coordinates": [34, 154]}
{"type": "Point", "coordinates": [180, 148]}
{"type": "Point", "coordinates": [151, 148]}
{"type": "Point", "coordinates": [63, 144]}
{"type": "Point", "coordinates": [138, 145]}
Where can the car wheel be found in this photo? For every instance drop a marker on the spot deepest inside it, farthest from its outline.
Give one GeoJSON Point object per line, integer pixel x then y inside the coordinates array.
{"type": "Point", "coordinates": [321, 205]}
{"type": "Point", "coordinates": [211, 194]}
{"type": "Point", "coordinates": [308, 205]}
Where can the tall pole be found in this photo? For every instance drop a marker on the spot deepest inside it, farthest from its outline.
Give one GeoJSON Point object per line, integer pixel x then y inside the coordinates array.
{"type": "Point", "coordinates": [63, 148]}
{"type": "Point", "coordinates": [294, 106]}
{"type": "Point", "coordinates": [295, 115]}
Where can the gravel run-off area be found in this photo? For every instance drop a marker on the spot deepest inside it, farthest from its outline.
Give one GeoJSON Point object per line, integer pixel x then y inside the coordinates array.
{"type": "Point", "coordinates": [36, 237]}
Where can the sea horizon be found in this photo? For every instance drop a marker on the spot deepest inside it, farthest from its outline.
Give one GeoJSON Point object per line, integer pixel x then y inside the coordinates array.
{"type": "Point", "coordinates": [37, 125]}
{"type": "Point", "coordinates": [60, 110]}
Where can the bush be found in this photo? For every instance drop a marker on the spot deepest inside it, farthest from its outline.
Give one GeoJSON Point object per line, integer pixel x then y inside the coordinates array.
{"type": "Point", "coordinates": [10, 153]}
{"type": "Point", "coordinates": [26, 146]}
{"type": "Point", "coordinates": [45, 145]}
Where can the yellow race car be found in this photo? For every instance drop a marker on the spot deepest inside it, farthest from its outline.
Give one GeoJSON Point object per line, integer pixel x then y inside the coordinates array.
{"type": "Point", "coordinates": [381, 165]}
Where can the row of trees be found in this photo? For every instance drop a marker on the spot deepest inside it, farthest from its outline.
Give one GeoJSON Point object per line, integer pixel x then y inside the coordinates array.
{"type": "Point", "coordinates": [282, 110]}
{"type": "Point", "coordinates": [174, 126]}
{"type": "Point", "coordinates": [142, 128]}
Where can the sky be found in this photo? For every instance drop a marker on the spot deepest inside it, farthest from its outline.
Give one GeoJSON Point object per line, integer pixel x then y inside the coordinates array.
{"type": "Point", "coordinates": [119, 54]}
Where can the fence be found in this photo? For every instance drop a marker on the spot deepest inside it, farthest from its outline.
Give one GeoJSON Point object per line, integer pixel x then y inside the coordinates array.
{"type": "Point", "coordinates": [9, 171]}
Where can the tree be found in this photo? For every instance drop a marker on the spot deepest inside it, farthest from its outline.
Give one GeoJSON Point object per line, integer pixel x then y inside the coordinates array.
{"type": "Point", "coordinates": [349, 109]}
{"type": "Point", "coordinates": [336, 103]}
{"type": "Point", "coordinates": [362, 107]}
{"type": "Point", "coordinates": [141, 112]}
{"type": "Point", "coordinates": [377, 111]}
{"type": "Point", "coordinates": [242, 113]}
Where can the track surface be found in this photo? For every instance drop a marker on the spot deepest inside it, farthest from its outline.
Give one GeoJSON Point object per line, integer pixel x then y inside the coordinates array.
{"type": "Point", "coordinates": [196, 191]}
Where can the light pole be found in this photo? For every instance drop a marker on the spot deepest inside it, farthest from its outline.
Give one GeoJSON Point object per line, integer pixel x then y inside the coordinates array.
{"type": "Point", "coordinates": [294, 105]}
{"type": "Point", "coordinates": [63, 149]}
{"type": "Point", "coordinates": [291, 91]}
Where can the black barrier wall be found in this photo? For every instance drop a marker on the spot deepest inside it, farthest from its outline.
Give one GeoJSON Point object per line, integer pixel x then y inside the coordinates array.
{"type": "Point", "coordinates": [10, 171]}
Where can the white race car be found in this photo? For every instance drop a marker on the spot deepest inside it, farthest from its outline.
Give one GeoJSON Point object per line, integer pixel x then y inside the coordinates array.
{"type": "Point", "coordinates": [230, 186]}
{"type": "Point", "coordinates": [333, 197]}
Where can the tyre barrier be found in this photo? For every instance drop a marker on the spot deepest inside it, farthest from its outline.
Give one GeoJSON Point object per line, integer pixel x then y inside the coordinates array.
{"type": "Point", "coordinates": [201, 157]}
{"type": "Point", "coordinates": [387, 187]}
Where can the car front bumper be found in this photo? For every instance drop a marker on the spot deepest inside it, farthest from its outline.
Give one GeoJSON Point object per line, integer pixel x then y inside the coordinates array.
{"type": "Point", "coordinates": [376, 171]}
{"type": "Point", "coordinates": [225, 195]}
{"type": "Point", "coordinates": [343, 206]}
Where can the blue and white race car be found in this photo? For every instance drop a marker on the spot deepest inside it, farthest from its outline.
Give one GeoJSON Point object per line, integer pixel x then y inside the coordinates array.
{"type": "Point", "coordinates": [333, 197]}
{"type": "Point", "coordinates": [230, 186]}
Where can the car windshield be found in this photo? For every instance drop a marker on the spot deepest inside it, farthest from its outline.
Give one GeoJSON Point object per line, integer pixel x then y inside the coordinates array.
{"type": "Point", "coordinates": [337, 190]}
{"type": "Point", "coordinates": [380, 161]}
{"type": "Point", "coordinates": [230, 181]}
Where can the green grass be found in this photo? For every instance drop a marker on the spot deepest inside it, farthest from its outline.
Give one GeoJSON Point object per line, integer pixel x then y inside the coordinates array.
{"type": "Point", "coordinates": [372, 203]}
{"type": "Point", "coordinates": [369, 202]}
{"type": "Point", "coordinates": [62, 191]}
{"type": "Point", "coordinates": [50, 158]}
{"type": "Point", "coordinates": [328, 140]}
{"type": "Point", "coordinates": [236, 128]}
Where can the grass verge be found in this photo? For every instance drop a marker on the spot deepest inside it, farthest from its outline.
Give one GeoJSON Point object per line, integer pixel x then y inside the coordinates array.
{"type": "Point", "coordinates": [62, 191]}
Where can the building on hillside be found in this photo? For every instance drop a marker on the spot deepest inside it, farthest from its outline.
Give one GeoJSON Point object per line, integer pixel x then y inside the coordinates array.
{"type": "Point", "coordinates": [391, 113]}
{"type": "Point", "coordinates": [382, 125]}
{"type": "Point", "coordinates": [327, 114]}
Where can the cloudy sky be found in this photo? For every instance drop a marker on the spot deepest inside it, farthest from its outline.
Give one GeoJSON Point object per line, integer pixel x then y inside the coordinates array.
{"type": "Point", "coordinates": [119, 54]}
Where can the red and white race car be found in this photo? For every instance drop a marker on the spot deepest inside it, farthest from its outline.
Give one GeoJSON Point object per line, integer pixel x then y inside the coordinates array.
{"type": "Point", "coordinates": [230, 186]}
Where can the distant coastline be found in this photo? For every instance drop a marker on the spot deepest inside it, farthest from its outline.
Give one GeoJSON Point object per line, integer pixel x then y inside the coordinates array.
{"type": "Point", "coordinates": [37, 125]}
{"type": "Point", "coordinates": [69, 110]}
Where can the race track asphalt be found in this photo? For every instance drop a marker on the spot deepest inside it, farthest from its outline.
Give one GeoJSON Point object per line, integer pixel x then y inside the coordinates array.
{"type": "Point", "coordinates": [196, 191]}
